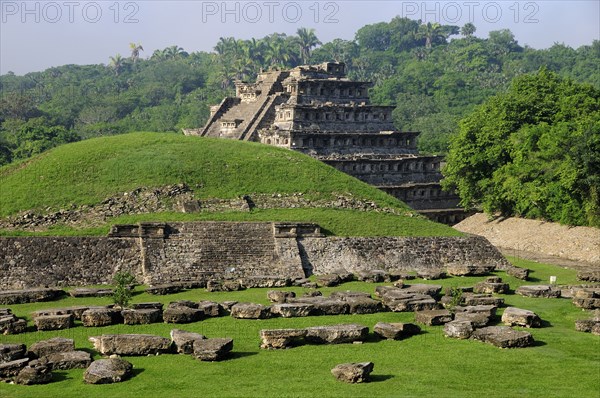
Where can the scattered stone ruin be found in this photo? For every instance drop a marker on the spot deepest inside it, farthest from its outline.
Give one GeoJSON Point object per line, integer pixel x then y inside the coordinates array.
{"type": "Point", "coordinates": [318, 111]}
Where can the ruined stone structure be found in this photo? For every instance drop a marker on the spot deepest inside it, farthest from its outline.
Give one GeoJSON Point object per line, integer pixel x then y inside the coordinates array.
{"type": "Point", "coordinates": [318, 111]}
{"type": "Point", "coordinates": [197, 252]}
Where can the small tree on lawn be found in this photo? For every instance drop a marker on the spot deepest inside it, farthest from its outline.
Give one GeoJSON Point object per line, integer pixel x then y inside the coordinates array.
{"type": "Point", "coordinates": [122, 292]}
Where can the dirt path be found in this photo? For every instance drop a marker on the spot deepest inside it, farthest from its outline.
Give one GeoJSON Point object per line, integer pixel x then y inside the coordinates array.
{"type": "Point", "coordinates": [552, 243]}
{"type": "Point", "coordinates": [543, 258]}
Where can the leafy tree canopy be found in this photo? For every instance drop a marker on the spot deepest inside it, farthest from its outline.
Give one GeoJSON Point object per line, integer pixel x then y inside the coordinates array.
{"type": "Point", "coordinates": [533, 151]}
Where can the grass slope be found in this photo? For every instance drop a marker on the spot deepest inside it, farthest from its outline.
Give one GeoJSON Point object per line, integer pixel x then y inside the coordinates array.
{"type": "Point", "coordinates": [87, 172]}
{"type": "Point", "coordinates": [563, 363]}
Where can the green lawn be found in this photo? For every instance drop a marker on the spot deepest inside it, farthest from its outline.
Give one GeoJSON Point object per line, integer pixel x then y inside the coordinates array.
{"type": "Point", "coordinates": [563, 363]}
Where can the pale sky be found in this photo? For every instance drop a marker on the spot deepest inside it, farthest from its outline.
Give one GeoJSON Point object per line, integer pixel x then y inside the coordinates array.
{"type": "Point", "coordinates": [35, 35]}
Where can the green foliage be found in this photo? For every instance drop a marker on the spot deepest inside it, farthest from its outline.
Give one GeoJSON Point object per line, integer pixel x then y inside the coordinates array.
{"type": "Point", "coordinates": [531, 152]}
{"type": "Point", "coordinates": [122, 293]}
{"type": "Point", "coordinates": [414, 67]}
{"type": "Point", "coordinates": [456, 293]}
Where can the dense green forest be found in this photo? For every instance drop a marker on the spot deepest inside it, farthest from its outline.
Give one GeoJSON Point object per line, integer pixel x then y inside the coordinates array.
{"type": "Point", "coordinates": [434, 75]}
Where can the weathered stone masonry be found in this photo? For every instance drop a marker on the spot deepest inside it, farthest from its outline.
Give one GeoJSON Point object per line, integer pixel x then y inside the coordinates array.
{"type": "Point", "coordinates": [198, 251]}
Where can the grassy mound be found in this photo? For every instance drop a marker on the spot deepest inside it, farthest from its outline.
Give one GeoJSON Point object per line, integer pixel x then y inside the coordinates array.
{"type": "Point", "coordinates": [88, 172]}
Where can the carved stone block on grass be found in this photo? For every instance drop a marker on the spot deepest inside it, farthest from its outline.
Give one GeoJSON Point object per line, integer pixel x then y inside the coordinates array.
{"type": "Point", "coordinates": [281, 338]}
{"type": "Point", "coordinates": [131, 344]}
{"type": "Point", "coordinates": [488, 310]}
{"type": "Point", "coordinates": [51, 346]}
{"type": "Point", "coordinates": [587, 303]}
{"type": "Point", "coordinates": [53, 322]}
{"type": "Point", "coordinates": [325, 306]}
{"type": "Point", "coordinates": [336, 334]}
{"type": "Point", "coordinates": [458, 269]}
{"type": "Point", "coordinates": [76, 311]}
{"type": "Point", "coordinates": [34, 375]}
{"type": "Point", "coordinates": [183, 303]}
{"type": "Point", "coordinates": [210, 308]}
{"type": "Point", "coordinates": [478, 319]}
{"type": "Point", "coordinates": [482, 299]}
{"type": "Point", "coordinates": [458, 329]}
{"type": "Point", "coordinates": [503, 337]}
{"type": "Point", "coordinates": [279, 296]}
{"type": "Point", "coordinates": [147, 305]}
{"type": "Point", "coordinates": [181, 315]}
{"type": "Point", "coordinates": [8, 370]}
{"type": "Point", "coordinates": [519, 317]}
{"type": "Point", "coordinates": [107, 371]}
{"type": "Point", "coordinates": [164, 289]}
{"type": "Point", "coordinates": [30, 295]}
{"type": "Point", "coordinates": [517, 272]}
{"type": "Point", "coordinates": [588, 326]}
{"type": "Point", "coordinates": [212, 349]}
{"type": "Point", "coordinates": [408, 302]}
{"type": "Point", "coordinates": [329, 280]}
{"type": "Point", "coordinates": [10, 324]}
{"type": "Point", "coordinates": [423, 288]}
{"type": "Point", "coordinates": [184, 341]}
{"type": "Point", "coordinates": [68, 360]}
{"type": "Point", "coordinates": [11, 352]}
{"type": "Point", "coordinates": [141, 317]}
{"type": "Point", "coordinates": [372, 276]}
{"type": "Point", "coordinates": [396, 331]}
{"type": "Point", "coordinates": [363, 305]}
{"type": "Point", "coordinates": [292, 310]}
{"type": "Point", "coordinates": [431, 274]}
{"type": "Point", "coordinates": [250, 311]}
{"type": "Point", "coordinates": [546, 291]}
{"type": "Point", "coordinates": [91, 292]}
{"type": "Point", "coordinates": [491, 285]}
{"type": "Point", "coordinates": [353, 372]}
{"type": "Point", "coordinates": [433, 317]}
{"type": "Point", "coordinates": [95, 317]}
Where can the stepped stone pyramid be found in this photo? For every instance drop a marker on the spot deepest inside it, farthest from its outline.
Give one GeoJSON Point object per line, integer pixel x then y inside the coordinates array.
{"type": "Point", "coordinates": [317, 110]}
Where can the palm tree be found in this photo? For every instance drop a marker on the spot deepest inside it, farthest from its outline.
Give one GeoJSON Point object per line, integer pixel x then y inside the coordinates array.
{"type": "Point", "coordinates": [173, 52]}
{"type": "Point", "coordinates": [468, 29]}
{"type": "Point", "coordinates": [135, 51]}
{"type": "Point", "coordinates": [306, 40]}
{"type": "Point", "coordinates": [431, 33]}
{"type": "Point", "coordinates": [117, 63]}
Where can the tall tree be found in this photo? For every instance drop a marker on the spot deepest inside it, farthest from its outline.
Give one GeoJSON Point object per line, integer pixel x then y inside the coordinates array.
{"type": "Point", "coordinates": [135, 51]}
{"type": "Point", "coordinates": [306, 41]}
{"type": "Point", "coordinates": [532, 151]}
{"type": "Point", "coordinates": [468, 30]}
{"type": "Point", "coordinates": [116, 64]}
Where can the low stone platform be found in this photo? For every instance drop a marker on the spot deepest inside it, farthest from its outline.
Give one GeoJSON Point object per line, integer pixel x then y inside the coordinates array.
{"type": "Point", "coordinates": [546, 291]}
{"type": "Point", "coordinates": [184, 341]}
{"type": "Point", "coordinates": [30, 295]}
{"type": "Point", "coordinates": [215, 349]}
{"type": "Point", "coordinates": [396, 331]}
{"type": "Point", "coordinates": [131, 344]}
{"type": "Point", "coordinates": [519, 317]}
{"type": "Point", "coordinates": [108, 371]}
{"type": "Point", "coordinates": [503, 337]}
{"type": "Point", "coordinates": [91, 292]}
{"type": "Point", "coordinates": [54, 322]}
{"type": "Point", "coordinates": [353, 372]}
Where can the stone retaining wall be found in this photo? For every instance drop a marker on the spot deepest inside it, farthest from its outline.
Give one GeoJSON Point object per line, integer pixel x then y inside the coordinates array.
{"type": "Point", "coordinates": [355, 254]}
{"type": "Point", "coordinates": [180, 252]}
